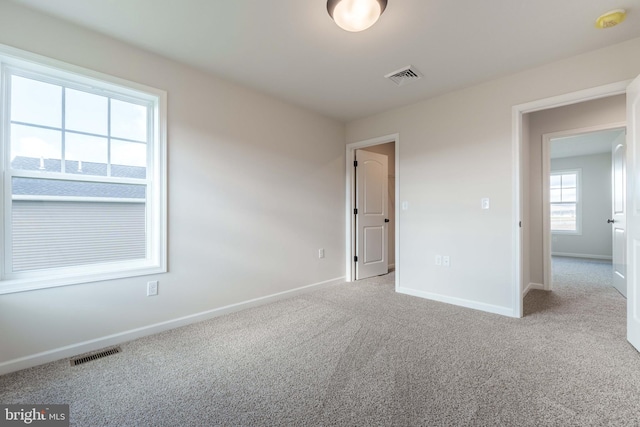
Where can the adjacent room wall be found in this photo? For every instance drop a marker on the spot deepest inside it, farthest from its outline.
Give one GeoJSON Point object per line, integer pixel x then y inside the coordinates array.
{"type": "Point", "coordinates": [595, 239]}
{"type": "Point", "coordinates": [458, 148]}
{"type": "Point", "coordinates": [256, 187]}
{"type": "Point", "coordinates": [525, 204]}
{"type": "Point", "coordinates": [605, 111]}
{"type": "Point", "coordinates": [388, 150]}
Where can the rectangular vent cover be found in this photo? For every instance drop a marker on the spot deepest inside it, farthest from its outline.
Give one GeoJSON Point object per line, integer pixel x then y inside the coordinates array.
{"type": "Point", "coordinates": [79, 360]}
{"type": "Point", "coordinates": [404, 75]}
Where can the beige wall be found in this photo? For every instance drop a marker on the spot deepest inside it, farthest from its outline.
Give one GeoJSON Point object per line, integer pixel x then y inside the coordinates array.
{"type": "Point", "coordinates": [525, 201]}
{"type": "Point", "coordinates": [603, 111]}
{"type": "Point", "coordinates": [458, 148]}
{"type": "Point", "coordinates": [389, 151]}
{"type": "Point", "coordinates": [255, 188]}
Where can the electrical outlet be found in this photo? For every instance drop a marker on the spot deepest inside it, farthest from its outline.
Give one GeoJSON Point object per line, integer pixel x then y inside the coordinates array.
{"type": "Point", "coordinates": [321, 253]}
{"type": "Point", "coordinates": [152, 288]}
{"type": "Point", "coordinates": [438, 259]}
{"type": "Point", "coordinates": [446, 261]}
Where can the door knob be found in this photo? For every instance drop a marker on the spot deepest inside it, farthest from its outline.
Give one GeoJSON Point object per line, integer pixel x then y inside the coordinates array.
{"type": "Point", "coordinates": [611, 221]}
{"type": "Point", "coordinates": [386, 220]}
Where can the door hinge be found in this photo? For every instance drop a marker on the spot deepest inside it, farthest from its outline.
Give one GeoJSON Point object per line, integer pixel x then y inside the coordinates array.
{"type": "Point", "coordinates": [355, 211]}
{"type": "Point", "coordinates": [355, 163]}
{"type": "Point", "coordinates": [520, 224]}
{"type": "Point", "coordinates": [355, 259]}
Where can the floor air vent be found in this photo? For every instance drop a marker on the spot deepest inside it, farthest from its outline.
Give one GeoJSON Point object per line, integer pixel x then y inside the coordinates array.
{"type": "Point", "coordinates": [404, 75]}
{"type": "Point", "coordinates": [79, 360]}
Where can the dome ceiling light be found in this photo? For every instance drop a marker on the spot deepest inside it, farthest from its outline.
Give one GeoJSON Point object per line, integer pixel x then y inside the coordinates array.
{"type": "Point", "coordinates": [355, 15]}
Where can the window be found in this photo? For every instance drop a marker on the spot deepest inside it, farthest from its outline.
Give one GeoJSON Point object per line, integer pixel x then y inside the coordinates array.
{"type": "Point", "coordinates": [565, 201]}
{"type": "Point", "coordinates": [84, 174]}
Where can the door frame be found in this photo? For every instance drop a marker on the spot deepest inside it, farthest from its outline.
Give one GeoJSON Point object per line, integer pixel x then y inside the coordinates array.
{"type": "Point", "coordinates": [518, 217]}
{"type": "Point", "coordinates": [350, 222]}
{"type": "Point", "coordinates": [546, 170]}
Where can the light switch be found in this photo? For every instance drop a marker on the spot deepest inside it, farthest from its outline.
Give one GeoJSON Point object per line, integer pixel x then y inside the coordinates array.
{"type": "Point", "coordinates": [484, 203]}
{"type": "Point", "coordinates": [405, 206]}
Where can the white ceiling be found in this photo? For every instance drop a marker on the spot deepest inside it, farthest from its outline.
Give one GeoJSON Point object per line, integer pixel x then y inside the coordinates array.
{"type": "Point", "coordinates": [292, 49]}
{"type": "Point", "coordinates": [584, 144]}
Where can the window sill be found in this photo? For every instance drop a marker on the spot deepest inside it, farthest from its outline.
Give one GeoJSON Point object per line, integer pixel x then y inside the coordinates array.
{"type": "Point", "coordinates": [89, 275]}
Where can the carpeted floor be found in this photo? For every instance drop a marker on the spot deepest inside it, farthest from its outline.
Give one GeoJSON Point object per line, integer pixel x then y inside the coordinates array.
{"type": "Point", "coordinates": [359, 354]}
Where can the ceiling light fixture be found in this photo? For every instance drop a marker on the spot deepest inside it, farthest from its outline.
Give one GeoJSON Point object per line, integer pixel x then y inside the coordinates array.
{"type": "Point", "coordinates": [611, 18]}
{"type": "Point", "coordinates": [355, 15]}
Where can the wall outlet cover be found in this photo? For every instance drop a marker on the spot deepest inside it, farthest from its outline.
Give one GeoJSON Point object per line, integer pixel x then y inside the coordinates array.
{"type": "Point", "coordinates": [152, 288]}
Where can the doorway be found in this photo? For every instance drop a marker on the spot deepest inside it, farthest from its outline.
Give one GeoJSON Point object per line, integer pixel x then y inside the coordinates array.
{"type": "Point", "coordinates": [389, 146]}
{"type": "Point", "coordinates": [571, 127]}
{"type": "Point", "coordinates": [583, 201]}
{"type": "Point", "coordinates": [527, 216]}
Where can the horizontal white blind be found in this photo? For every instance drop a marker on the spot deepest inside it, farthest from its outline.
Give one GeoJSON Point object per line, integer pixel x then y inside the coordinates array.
{"type": "Point", "coordinates": [49, 234]}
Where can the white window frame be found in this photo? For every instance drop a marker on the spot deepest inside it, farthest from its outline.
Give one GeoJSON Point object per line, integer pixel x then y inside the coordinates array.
{"type": "Point", "coordinates": [156, 180]}
{"type": "Point", "coordinates": [578, 173]}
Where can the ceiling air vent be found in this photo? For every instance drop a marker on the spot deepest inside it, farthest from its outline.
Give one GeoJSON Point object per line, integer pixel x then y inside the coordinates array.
{"type": "Point", "coordinates": [404, 75]}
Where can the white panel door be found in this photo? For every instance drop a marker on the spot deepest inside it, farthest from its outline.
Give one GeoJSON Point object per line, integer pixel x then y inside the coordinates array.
{"type": "Point", "coordinates": [633, 213]}
{"type": "Point", "coordinates": [618, 217]}
{"type": "Point", "coordinates": [372, 181]}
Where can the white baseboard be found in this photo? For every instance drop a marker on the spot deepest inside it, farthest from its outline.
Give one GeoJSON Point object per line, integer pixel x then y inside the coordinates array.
{"type": "Point", "coordinates": [532, 286]}
{"type": "Point", "coordinates": [119, 338]}
{"type": "Point", "coordinates": [504, 311]}
{"type": "Point", "coordinates": [588, 256]}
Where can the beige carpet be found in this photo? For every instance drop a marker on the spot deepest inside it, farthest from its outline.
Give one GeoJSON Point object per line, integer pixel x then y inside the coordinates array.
{"type": "Point", "coordinates": [359, 355]}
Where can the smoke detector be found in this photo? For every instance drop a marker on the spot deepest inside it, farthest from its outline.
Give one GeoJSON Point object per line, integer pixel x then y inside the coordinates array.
{"type": "Point", "coordinates": [611, 18]}
{"type": "Point", "coordinates": [404, 75]}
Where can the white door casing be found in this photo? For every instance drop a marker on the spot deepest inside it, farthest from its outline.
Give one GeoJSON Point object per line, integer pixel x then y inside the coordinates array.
{"type": "Point", "coordinates": [372, 194]}
{"type": "Point", "coordinates": [633, 213]}
{"type": "Point", "coordinates": [618, 214]}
